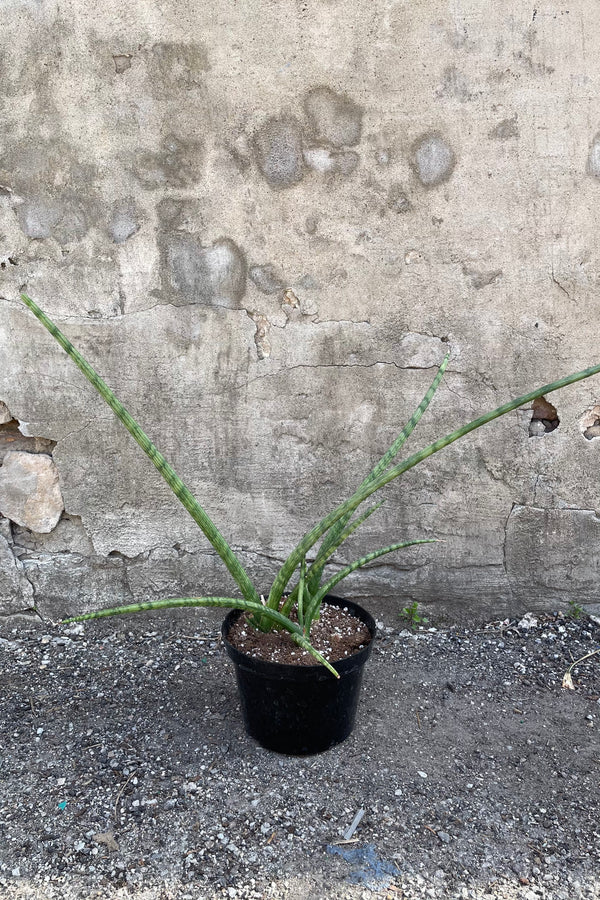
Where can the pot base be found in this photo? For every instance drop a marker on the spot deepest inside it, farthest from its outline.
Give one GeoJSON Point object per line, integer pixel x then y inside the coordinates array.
{"type": "Point", "coordinates": [299, 710]}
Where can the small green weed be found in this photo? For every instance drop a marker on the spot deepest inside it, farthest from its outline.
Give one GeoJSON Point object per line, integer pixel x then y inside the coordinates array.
{"type": "Point", "coordinates": [412, 616]}
{"type": "Point", "coordinates": [574, 610]}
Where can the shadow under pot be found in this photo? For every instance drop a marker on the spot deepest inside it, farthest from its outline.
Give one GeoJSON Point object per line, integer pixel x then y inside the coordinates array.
{"type": "Point", "coordinates": [299, 709]}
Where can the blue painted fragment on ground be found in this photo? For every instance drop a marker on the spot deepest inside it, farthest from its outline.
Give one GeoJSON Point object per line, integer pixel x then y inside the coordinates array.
{"type": "Point", "coordinates": [375, 873]}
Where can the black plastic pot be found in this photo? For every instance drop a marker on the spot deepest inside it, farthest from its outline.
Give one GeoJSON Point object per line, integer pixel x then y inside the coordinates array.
{"type": "Point", "coordinates": [299, 710]}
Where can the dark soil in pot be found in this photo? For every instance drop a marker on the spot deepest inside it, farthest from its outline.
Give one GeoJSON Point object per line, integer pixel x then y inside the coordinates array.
{"type": "Point", "coordinates": [289, 704]}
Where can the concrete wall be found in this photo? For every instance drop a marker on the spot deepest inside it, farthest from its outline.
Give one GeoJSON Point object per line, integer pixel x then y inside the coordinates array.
{"type": "Point", "coordinates": [265, 223]}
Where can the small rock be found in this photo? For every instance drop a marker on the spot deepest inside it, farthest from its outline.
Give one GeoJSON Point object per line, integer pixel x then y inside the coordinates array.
{"type": "Point", "coordinates": [422, 774]}
{"type": "Point", "coordinates": [528, 621]}
{"type": "Point", "coordinates": [444, 837]}
{"type": "Point", "coordinates": [29, 491]}
{"type": "Point", "coordinates": [107, 838]}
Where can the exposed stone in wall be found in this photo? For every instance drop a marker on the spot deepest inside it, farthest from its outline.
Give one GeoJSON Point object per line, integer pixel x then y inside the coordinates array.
{"type": "Point", "coordinates": [15, 590]}
{"type": "Point", "coordinates": [5, 415]}
{"type": "Point", "coordinates": [12, 438]}
{"type": "Point", "coordinates": [544, 417]}
{"type": "Point", "coordinates": [590, 423]}
{"type": "Point", "coordinates": [29, 490]}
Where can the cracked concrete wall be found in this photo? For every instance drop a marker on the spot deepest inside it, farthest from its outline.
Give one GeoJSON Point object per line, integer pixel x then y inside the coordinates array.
{"type": "Point", "coordinates": [265, 224]}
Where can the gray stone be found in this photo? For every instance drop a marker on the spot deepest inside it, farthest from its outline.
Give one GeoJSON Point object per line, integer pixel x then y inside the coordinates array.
{"type": "Point", "coordinates": [213, 276]}
{"type": "Point", "coordinates": [333, 117]}
{"type": "Point", "coordinates": [16, 593]}
{"type": "Point", "coordinates": [592, 432]}
{"type": "Point", "coordinates": [266, 278]}
{"type": "Point", "coordinates": [536, 428]}
{"type": "Point", "coordinates": [29, 490]}
{"type": "Point", "coordinates": [278, 149]}
{"type": "Point", "coordinates": [433, 159]}
{"type": "Point", "coordinates": [12, 438]}
{"type": "Point", "coordinates": [122, 62]}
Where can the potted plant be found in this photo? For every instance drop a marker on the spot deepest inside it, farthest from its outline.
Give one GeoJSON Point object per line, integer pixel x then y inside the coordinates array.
{"type": "Point", "coordinates": [290, 706]}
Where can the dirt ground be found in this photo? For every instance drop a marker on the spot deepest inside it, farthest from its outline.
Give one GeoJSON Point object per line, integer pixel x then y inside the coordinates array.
{"type": "Point", "coordinates": [125, 771]}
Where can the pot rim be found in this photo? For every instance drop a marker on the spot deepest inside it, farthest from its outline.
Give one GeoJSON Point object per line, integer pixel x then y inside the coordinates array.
{"type": "Point", "coordinates": [298, 673]}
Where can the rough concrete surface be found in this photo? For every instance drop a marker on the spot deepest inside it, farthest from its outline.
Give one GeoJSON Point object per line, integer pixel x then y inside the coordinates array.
{"type": "Point", "coordinates": [265, 224]}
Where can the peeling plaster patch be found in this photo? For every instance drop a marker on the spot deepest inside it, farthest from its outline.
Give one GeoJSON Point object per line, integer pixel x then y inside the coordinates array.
{"type": "Point", "coordinates": [506, 129]}
{"type": "Point", "coordinates": [261, 336]}
{"type": "Point", "coordinates": [69, 536]}
{"type": "Point", "coordinates": [266, 278]}
{"type": "Point", "coordinates": [290, 300]}
{"type": "Point", "coordinates": [29, 490]}
{"type": "Point", "coordinates": [334, 118]}
{"type": "Point", "coordinates": [122, 62]}
{"type": "Point", "coordinates": [593, 160]}
{"type": "Point", "coordinates": [124, 221]}
{"type": "Point", "coordinates": [590, 423]}
{"type": "Point", "coordinates": [544, 418]}
{"type": "Point", "coordinates": [433, 159]}
{"type": "Point", "coordinates": [278, 151]}
{"type": "Point", "coordinates": [214, 275]}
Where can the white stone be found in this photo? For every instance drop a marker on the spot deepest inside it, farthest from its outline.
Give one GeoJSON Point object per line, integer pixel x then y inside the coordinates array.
{"type": "Point", "coordinates": [30, 491]}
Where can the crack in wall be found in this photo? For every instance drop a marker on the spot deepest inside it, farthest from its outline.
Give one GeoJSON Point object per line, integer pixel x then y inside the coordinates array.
{"type": "Point", "coordinates": [509, 585]}
{"type": "Point", "coordinates": [404, 368]}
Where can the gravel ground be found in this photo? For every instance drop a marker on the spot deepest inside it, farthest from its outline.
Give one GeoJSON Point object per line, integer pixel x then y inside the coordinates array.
{"type": "Point", "coordinates": [125, 770]}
